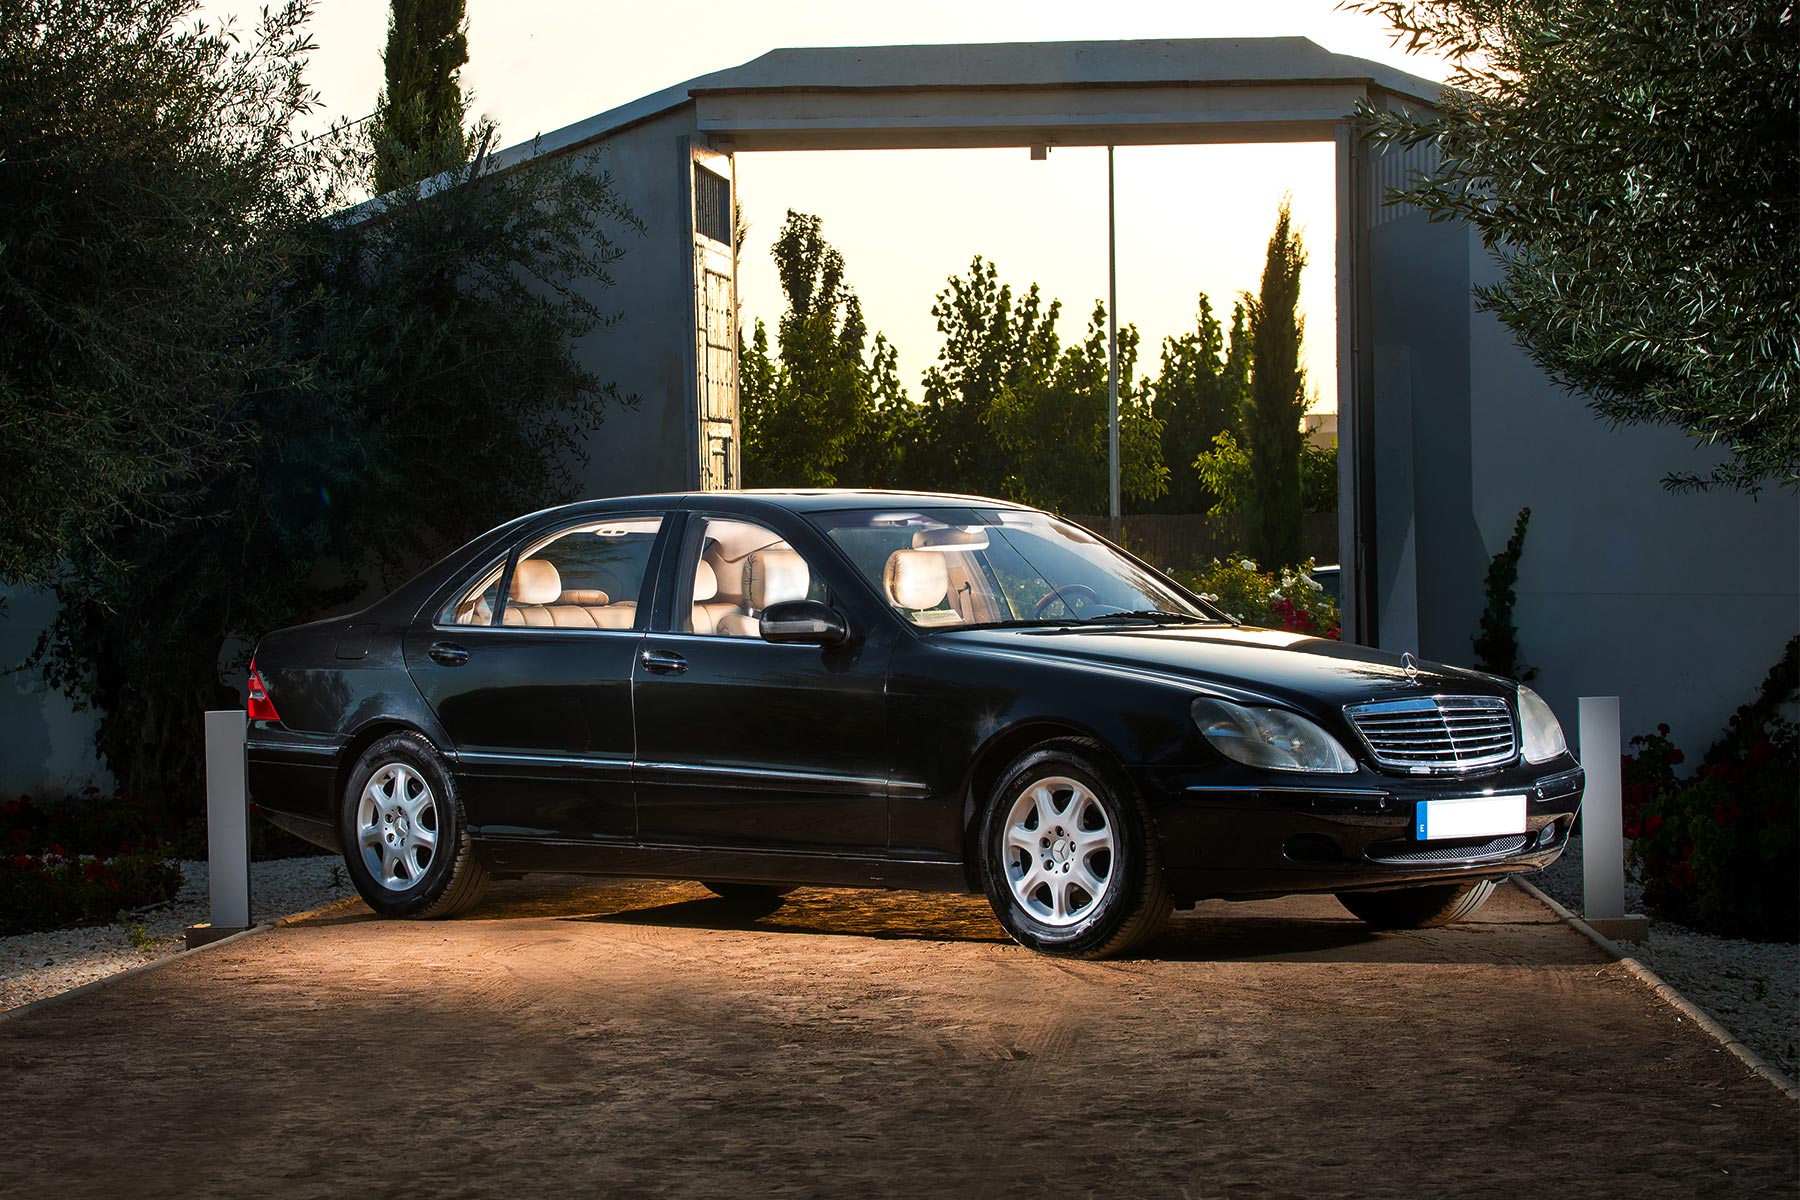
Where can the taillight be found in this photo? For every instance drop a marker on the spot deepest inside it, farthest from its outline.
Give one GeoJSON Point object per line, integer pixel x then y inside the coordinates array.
{"type": "Point", "coordinates": [259, 707]}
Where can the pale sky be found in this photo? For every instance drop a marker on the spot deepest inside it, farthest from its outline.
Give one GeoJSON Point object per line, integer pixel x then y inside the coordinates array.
{"type": "Point", "coordinates": [1190, 218]}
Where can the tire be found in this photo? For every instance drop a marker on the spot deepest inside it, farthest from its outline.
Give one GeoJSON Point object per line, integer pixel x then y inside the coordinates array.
{"type": "Point", "coordinates": [759, 894]}
{"type": "Point", "coordinates": [405, 835]}
{"type": "Point", "coordinates": [1418, 907]}
{"type": "Point", "coordinates": [1106, 847]}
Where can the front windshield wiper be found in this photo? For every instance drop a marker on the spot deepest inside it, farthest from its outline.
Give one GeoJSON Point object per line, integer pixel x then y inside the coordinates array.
{"type": "Point", "coordinates": [1158, 616]}
{"type": "Point", "coordinates": [1013, 623]}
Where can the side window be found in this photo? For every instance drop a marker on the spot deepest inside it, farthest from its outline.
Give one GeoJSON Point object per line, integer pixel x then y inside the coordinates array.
{"type": "Point", "coordinates": [475, 606]}
{"type": "Point", "coordinates": [587, 576]}
{"type": "Point", "coordinates": [734, 570]}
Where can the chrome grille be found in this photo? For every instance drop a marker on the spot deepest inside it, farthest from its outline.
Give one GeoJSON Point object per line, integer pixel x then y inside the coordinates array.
{"type": "Point", "coordinates": [1436, 733]}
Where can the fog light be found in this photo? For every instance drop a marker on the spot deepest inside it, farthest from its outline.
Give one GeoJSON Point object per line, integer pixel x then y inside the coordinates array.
{"type": "Point", "coordinates": [1547, 835]}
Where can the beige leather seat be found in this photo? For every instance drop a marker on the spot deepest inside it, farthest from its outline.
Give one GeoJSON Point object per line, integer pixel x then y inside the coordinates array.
{"type": "Point", "coordinates": [708, 608]}
{"type": "Point", "coordinates": [918, 581]}
{"type": "Point", "coordinates": [770, 577]}
{"type": "Point", "coordinates": [536, 598]}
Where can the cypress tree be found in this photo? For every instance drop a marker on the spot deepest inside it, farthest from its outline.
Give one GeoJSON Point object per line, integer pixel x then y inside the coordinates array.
{"type": "Point", "coordinates": [418, 126]}
{"type": "Point", "coordinates": [1274, 404]}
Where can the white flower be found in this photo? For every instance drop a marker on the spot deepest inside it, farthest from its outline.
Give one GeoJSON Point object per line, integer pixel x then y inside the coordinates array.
{"type": "Point", "coordinates": [1312, 583]}
{"type": "Point", "coordinates": [1209, 597]}
{"type": "Point", "coordinates": [1249, 564]}
{"type": "Point", "coordinates": [1275, 593]}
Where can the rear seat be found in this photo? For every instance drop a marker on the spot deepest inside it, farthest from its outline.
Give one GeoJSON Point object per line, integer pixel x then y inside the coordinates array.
{"type": "Point", "coordinates": [536, 598]}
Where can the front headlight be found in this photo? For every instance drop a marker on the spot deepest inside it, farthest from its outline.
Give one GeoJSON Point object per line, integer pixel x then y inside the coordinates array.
{"type": "Point", "coordinates": [1270, 737]}
{"type": "Point", "coordinates": [1543, 737]}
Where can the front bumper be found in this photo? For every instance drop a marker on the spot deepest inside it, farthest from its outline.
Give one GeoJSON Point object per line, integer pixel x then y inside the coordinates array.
{"type": "Point", "coordinates": [1244, 836]}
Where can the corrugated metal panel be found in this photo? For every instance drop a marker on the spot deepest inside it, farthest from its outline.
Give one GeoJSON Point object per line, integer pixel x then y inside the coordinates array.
{"type": "Point", "coordinates": [1396, 168]}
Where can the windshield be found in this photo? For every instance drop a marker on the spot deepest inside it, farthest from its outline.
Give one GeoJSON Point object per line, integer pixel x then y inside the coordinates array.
{"type": "Point", "coordinates": [968, 568]}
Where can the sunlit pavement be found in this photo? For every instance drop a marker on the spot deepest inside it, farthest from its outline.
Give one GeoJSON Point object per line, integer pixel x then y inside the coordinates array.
{"type": "Point", "coordinates": [622, 1038]}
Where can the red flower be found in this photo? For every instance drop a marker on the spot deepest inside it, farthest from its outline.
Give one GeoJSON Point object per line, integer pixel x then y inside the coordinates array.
{"type": "Point", "coordinates": [1653, 824]}
{"type": "Point", "coordinates": [1761, 752]}
{"type": "Point", "coordinates": [1676, 758]}
{"type": "Point", "coordinates": [1632, 828]}
{"type": "Point", "coordinates": [1663, 729]}
{"type": "Point", "coordinates": [1727, 813]}
{"type": "Point", "coordinates": [1681, 876]}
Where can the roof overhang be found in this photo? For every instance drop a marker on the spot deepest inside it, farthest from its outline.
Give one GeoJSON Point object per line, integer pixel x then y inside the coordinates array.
{"type": "Point", "coordinates": [1015, 94]}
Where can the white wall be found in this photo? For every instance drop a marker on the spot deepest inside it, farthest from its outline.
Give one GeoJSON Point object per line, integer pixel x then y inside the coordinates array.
{"type": "Point", "coordinates": [1678, 603]}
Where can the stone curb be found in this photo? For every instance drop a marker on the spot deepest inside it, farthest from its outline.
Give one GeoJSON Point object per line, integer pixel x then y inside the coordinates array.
{"type": "Point", "coordinates": [1669, 995]}
{"type": "Point", "coordinates": [260, 927]}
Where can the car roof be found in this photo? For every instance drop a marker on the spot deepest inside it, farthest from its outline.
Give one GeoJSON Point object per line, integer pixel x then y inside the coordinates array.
{"type": "Point", "coordinates": [803, 499]}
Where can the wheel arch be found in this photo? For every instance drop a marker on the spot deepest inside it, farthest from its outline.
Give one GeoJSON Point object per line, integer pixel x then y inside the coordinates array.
{"type": "Point", "coordinates": [366, 736]}
{"type": "Point", "coordinates": [994, 756]}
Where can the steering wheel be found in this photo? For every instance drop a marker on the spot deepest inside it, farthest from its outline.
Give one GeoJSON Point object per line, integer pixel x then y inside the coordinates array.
{"type": "Point", "coordinates": [1068, 593]}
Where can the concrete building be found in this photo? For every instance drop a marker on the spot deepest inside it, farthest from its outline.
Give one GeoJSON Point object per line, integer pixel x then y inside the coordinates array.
{"type": "Point", "coordinates": [1678, 603]}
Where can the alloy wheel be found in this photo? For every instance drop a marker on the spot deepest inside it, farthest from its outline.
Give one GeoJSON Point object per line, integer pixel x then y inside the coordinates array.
{"type": "Point", "coordinates": [397, 826]}
{"type": "Point", "coordinates": [1059, 851]}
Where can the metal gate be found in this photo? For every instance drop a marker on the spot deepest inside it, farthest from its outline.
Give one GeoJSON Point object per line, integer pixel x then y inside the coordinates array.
{"type": "Point", "coordinates": [714, 278]}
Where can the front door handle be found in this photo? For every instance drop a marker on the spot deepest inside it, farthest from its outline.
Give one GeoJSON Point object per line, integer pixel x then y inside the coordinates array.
{"type": "Point", "coordinates": [663, 662]}
{"type": "Point", "coordinates": [448, 654]}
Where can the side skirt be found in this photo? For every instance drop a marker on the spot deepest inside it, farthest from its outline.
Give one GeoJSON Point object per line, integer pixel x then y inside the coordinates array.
{"type": "Point", "coordinates": [736, 866]}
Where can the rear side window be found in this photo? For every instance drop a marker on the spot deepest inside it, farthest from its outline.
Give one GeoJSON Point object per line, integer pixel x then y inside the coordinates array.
{"type": "Point", "coordinates": [588, 576]}
{"type": "Point", "coordinates": [477, 605]}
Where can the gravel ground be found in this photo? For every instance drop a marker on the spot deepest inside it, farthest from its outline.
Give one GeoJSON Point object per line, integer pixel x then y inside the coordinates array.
{"type": "Point", "coordinates": [1751, 988]}
{"type": "Point", "coordinates": [36, 965]}
{"type": "Point", "coordinates": [641, 1039]}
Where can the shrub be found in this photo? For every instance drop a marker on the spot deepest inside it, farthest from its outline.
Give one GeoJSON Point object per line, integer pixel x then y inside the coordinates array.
{"type": "Point", "coordinates": [1289, 599]}
{"type": "Point", "coordinates": [43, 891]}
{"type": "Point", "coordinates": [84, 859]}
{"type": "Point", "coordinates": [1720, 850]}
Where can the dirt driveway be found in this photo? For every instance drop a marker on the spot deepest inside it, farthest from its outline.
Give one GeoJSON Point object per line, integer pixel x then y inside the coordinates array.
{"type": "Point", "coordinates": [580, 1038]}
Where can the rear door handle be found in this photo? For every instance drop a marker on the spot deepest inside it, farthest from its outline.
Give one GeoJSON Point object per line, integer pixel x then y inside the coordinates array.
{"type": "Point", "coordinates": [663, 662]}
{"type": "Point", "coordinates": [448, 654]}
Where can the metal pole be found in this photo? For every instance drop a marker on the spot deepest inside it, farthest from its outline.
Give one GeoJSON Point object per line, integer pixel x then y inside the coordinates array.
{"type": "Point", "coordinates": [1112, 355]}
{"type": "Point", "coordinates": [1602, 824]}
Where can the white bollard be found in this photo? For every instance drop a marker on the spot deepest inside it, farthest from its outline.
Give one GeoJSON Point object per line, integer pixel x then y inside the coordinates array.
{"type": "Point", "coordinates": [227, 821]}
{"type": "Point", "coordinates": [1602, 825]}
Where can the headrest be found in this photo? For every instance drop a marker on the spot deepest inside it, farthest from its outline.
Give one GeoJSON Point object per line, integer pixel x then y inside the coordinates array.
{"type": "Point", "coordinates": [535, 581]}
{"type": "Point", "coordinates": [706, 582]}
{"type": "Point", "coordinates": [728, 576]}
{"type": "Point", "coordinates": [917, 579]}
{"type": "Point", "coordinates": [774, 577]}
{"type": "Point", "coordinates": [590, 597]}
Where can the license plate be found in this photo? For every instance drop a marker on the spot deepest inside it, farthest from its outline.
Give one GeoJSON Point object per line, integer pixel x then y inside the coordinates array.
{"type": "Point", "coordinates": [1483, 816]}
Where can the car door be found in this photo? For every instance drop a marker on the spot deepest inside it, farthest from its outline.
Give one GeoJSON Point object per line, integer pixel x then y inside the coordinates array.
{"type": "Point", "coordinates": [744, 744]}
{"type": "Point", "coordinates": [529, 668]}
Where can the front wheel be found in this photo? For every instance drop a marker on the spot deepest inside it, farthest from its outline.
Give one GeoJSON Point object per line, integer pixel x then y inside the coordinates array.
{"type": "Point", "coordinates": [405, 838]}
{"type": "Point", "coordinates": [1068, 858]}
{"type": "Point", "coordinates": [1418, 907]}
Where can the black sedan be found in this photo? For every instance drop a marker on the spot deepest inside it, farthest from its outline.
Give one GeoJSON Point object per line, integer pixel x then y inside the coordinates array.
{"type": "Point", "coordinates": [761, 690]}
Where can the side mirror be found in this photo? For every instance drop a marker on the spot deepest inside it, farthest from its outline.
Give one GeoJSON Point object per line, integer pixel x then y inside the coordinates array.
{"type": "Point", "coordinates": [803, 623]}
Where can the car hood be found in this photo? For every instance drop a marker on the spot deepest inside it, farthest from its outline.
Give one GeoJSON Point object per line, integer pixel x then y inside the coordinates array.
{"type": "Point", "coordinates": [1240, 662]}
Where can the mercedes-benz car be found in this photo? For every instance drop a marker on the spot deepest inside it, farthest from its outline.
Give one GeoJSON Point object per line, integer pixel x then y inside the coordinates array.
{"type": "Point", "coordinates": [763, 690]}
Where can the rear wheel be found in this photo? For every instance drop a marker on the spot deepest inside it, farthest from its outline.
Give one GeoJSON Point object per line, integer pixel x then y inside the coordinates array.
{"type": "Point", "coordinates": [1068, 859]}
{"type": "Point", "coordinates": [405, 837]}
{"type": "Point", "coordinates": [1418, 907]}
